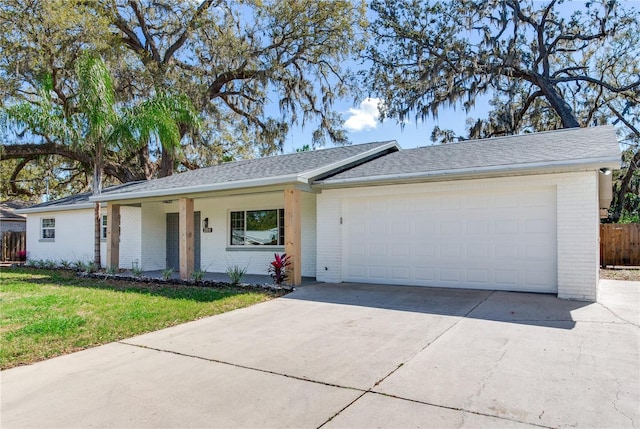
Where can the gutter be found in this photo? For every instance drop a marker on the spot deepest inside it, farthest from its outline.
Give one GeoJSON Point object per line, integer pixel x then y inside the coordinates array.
{"type": "Point", "coordinates": [56, 208]}
{"type": "Point", "coordinates": [474, 172]}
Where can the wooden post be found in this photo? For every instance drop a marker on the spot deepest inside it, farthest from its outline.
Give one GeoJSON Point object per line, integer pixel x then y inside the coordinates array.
{"type": "Point", "coordinates": [187, 238]}
{"type": "Point", "coordinates": [113, 235]}
{"type": "Point", "coordinates": [292, 241]}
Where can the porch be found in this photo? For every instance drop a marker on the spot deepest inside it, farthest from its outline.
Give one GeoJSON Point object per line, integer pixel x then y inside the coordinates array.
{"type": "Point", "coordinates": [212, 232]}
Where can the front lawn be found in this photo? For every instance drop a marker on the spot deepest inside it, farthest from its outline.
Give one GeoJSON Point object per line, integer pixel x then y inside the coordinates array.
{"type": "Point", "coordinates": [47, 313]}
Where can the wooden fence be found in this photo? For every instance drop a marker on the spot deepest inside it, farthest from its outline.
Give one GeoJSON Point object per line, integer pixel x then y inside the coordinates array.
{"type": "Point", "coordinates": [620, 244]}
{"type": "Point", "coordinates": [14, 245]}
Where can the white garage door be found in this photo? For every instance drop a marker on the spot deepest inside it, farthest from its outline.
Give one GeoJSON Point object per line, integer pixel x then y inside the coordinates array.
{"type": "Point", "coordinates": [482, 240]}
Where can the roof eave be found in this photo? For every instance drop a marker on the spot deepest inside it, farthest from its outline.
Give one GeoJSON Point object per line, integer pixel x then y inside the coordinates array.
{"type": "Point", "coordinates": [61, 207]}
{"type": "Point", "coordinates": [173, 192]}
{"type": "Point", "coordinates": [476, 172]}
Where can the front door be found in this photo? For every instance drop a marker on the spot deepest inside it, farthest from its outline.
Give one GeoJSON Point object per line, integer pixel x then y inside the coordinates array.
{"type": "Point", "coordinates": [173, 240]}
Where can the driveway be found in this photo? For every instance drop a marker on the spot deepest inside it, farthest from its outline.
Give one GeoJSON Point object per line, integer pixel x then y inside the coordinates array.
{"type": "Point", "coordinates": [351, 355]}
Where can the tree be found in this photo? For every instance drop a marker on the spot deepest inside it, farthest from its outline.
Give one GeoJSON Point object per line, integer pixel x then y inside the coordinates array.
{"type": "Point", "coordinates": [96, 127]}
{"type": "Point", "coordinates": [232, 59]}
{"type": "Point", "coordinates": [544, 67]}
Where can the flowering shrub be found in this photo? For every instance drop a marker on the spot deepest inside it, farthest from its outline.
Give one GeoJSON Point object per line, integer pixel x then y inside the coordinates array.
{"type": "Point", "coordinates": [22, 255]}
{"type": "Point", "coordinates": [278, 269]}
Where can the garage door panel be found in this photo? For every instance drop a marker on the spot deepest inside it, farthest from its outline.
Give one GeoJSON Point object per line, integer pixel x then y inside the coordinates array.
{"type": "Point", "coordinates": [495, 240]}
{"type": "Point", "coordinates": [402, 273]}
{"type": "Point", "coordinates": [424, 250]}
{"type": "Point", "coordinates": [475, 226]}
{"type": "Point", "coordinates": [450, 251]}
{"type": "Point", "coordinates": [377, 272]}
{"type": "Point", "coordinates": [400, 250]}
{"type": "Point", "coordinates": [449, 202]}
{"type": "Point", "coordinates": [477, 250]}
{"type": "Point", "coordinates": [505, 277]}
{"type": "Point", "coordinates": [423, 275]}
{"type": "Point", "coordinates": [449, 227]}
{"type": "Point", "coordinates": [478, 276]}
{"type": "Point", "coordinates": [476, 202]}
{"type": "Point", "coordinates": [450, 274]}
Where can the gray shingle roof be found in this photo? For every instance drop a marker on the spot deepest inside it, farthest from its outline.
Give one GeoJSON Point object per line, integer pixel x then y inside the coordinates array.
{"type": "Point", "coordinates": [268, 169]}
{"type": "Point", "coordinates": [73, 201]}
{"type": "Point", "coordinates": [8, 210]}
{"type": "Point", "coordinates": [567, 146]}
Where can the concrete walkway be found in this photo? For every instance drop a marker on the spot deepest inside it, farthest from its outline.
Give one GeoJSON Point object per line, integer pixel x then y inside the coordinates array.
{"type": "Point", "coordinates": [356, 356]}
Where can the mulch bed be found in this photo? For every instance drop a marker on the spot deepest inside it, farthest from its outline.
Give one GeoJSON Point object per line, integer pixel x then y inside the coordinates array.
{"type": "Point", "coordinates": [631, 274]}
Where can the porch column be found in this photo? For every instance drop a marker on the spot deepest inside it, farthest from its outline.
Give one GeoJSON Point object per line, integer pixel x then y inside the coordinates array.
{"type": "Point", "coordinates": [292, 241]}
{"type": "Point", "coordinates": [113, 236]}
{"type": "Point", "coordinates": [187, 252]}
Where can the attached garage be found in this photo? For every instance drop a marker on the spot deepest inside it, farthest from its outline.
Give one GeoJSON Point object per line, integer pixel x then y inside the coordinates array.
{"type": "Point", "coordinates": [488, 240]}
{"type": "Point", "coordinates": [518, 213]}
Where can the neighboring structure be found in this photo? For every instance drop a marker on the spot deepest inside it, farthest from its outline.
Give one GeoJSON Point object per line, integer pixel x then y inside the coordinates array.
{"type": "Point", "coordinates": [513, 213]}
{"type": "Point", "coordinates": [9, 219]}
{"type": "Point", "coordinates": [12, 227]}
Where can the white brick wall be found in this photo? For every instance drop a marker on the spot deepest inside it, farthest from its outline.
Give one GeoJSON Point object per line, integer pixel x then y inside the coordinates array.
{"type": "Point", "coordinates": [154, 231]}
{"type": "Point", "coordinates": [308, 233]}
{"type": "Point", "coordinates": [74, 236]}
{"type": "Point", "coordinates": [577, 223]}
{"type": "Point", "coordinates": [578, 236]}
{"type": "Point", "coordinates": [130, 236]}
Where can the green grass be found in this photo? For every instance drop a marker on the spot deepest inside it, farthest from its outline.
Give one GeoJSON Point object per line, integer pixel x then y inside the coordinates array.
{"type": "Point", "coordinates": [47, 313]}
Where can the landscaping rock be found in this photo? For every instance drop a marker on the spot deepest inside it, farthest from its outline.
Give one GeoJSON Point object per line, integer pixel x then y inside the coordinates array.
{"type": "Point", "coordinates": [180, 282]}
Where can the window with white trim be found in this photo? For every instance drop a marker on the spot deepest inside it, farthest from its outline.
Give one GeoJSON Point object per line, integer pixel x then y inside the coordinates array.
{"type": "Point", "coordinates": [103, 229]}
{"type": "Point", "coordinates": [48, 228]}
{"type": "Point", "coordinates": [257, 228]}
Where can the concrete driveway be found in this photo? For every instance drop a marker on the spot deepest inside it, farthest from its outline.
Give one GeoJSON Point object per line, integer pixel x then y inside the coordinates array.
{"type": "Point", "coordinates": [356, 356]}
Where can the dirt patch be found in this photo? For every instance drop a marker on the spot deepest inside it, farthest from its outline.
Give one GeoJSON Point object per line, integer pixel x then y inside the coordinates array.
{"type": "Point", "coordinates": [631, 274]}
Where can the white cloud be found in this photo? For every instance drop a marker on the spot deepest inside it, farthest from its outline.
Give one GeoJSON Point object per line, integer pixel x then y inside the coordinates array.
{"type": "Point", "coordinates": [365, 117]}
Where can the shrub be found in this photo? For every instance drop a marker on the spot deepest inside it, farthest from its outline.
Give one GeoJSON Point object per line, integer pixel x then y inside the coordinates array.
{"type": "Point", "coordinates": [235, 273]}
{"type": "Point", "coordinates": [79, 265]}
{"type": "Point", "coordinates": [278, 269]}
{"type": "Point", "coordinates": [49, 264]}
{"type": "Point", "coordinates": [92, 267]}
{"type": "Point", "coordinates": [167, 273]}
{"type": "Point", "coordinates": [198, 275]}
{"type": "Point", "coordinates": [136, 269]}
{"type": "Point", "coordinates": [66, 264]}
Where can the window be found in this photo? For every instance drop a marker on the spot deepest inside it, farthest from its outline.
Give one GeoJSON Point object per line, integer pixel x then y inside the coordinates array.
{"type": "Point", "coordinates": [103, 232]}
{"type": "Point", "coordinates": [257, 228]}
{"type": "Point", "coordinates": [48, 229]}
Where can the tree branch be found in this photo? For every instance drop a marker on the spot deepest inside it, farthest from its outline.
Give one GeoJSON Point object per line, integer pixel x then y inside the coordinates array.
{"type": "Point", "coordinates": [599, 82]}
{"type": "Point", "coordinates": [185, 34]}
{"type": "Point", "coordinates": [145, 31]}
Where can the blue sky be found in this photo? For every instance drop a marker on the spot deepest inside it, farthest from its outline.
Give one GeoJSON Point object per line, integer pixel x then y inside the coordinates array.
{"type": "Point", "coordinates": [362, 125]}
